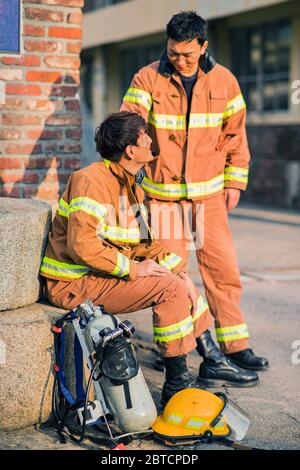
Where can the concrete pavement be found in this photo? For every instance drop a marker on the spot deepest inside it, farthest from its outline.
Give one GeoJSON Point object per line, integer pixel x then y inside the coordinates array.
{"type": "Point", "coordinates": [268, 244]}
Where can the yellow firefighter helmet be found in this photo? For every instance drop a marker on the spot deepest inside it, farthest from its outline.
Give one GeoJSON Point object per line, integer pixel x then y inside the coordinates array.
{"type": "Point", "coordinates": [194, 412]}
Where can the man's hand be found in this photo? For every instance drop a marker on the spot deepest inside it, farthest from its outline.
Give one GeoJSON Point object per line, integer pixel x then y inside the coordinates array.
{"type": "Point", "coordinates": [148, 267]}
{"type": "Point", "coordinates": [191, 290]}
{"type": "Point", "coordinates": [232, 197]}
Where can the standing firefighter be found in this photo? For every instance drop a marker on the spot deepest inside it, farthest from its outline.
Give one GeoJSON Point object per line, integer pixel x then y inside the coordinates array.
{"type": "Point", "coordinates": [196, 118]}
{"type": "Point", "coordinates": [100, 248]}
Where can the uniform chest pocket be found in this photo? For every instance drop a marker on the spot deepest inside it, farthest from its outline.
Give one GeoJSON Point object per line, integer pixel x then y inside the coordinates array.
{"type": "Point", "coordinates": [217, 101]}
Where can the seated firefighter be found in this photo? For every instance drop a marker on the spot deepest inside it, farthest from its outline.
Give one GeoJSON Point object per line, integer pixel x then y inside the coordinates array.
{"type": "Point", "coordinates": [100, 248]}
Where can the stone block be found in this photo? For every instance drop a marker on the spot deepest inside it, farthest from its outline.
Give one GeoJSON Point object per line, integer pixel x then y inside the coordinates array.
{"type": "Point", "coordinates": [24, 226]}
{"type": "Point", "coordinates": [26, 365]}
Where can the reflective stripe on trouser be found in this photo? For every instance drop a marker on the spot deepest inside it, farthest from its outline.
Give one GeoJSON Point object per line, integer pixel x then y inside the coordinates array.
{"type": "Point", "coordinates": [217, 262]}
{"type": "Point", "coordinates": [174, 328]}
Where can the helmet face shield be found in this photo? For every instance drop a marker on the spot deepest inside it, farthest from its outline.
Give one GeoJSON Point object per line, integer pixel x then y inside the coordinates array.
{"type": "Point", "coordinates": [236, 419]}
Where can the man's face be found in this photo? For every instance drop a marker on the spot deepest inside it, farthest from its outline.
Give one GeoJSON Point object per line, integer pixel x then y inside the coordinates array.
{"type": "Point", "coordinates": [184, 56]}
{"type": "Point", "coordinates": [142, 150]}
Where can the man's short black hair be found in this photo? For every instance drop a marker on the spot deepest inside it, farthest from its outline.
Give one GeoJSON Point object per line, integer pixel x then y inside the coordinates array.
{"type": "Point", "coordinates": [186, 26]}
{"type": "Point", "coordinates": [116, 132]}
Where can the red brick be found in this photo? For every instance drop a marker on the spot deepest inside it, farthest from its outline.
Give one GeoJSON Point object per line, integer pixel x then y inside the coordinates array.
{"type": "Point", "coordinates": [18, 89]}
{"type": "Point", "coordinates": [9, 134]}
{"type": "Point", "coordinates": [13, 104]}
{"type": "Point", "coordinates": [31, 191]}
{"type": "Point", "coordinates": [62, 62]}
{"type": "Point", "coordinates": [74, 47]}
{"type": "Point", "coordinates": [41, 14]}
{"type": "Point", "coordinates": [10, 163]}
{"type": "Point", "coordinates": [65, 91]}
{"type": "Point", "coordinates": [10, 119]}
{"type": "Point", "coordinates": [44, 105]}
{"type": "Point", "coordinates": [27, 61]}
{"type": "Point", "coordinates": [45, 162]}
{"type": "Point", "coordinates": [43, 76]}
{"type": "Point", "coordinates": [50, 148]}
{"type": "Point", "coordinates": [31, 30]}
{"type": "Point", "coordinates": [43, 46]}
{"type": "Point", "coordinates": [23, 149]}
{"type": "Point", "coordinates": [63, 120]}
{"type": "Point", "coordinates": [70, 148]}
{"type": "Point", "coordinates": [67, 33]}
{"type": "Point", "coordinates": [75, 18]}
{"type": "Point", "coordinates": [44, 134]}
{"type": "Point", "coordinates": [11, 74]}
{"type": "Point", "coordinates": [72, 105]}
{"type": "Point", "coordinates": [65, 3]}
{"type": "Point", "coordinates": [9, 190]}
{"type": "Point", "coordinates": [27, 177]}
{"type": "Point", "coordinates": [74, 134]}
{"type": "Point", "coordinates": [72, 163]}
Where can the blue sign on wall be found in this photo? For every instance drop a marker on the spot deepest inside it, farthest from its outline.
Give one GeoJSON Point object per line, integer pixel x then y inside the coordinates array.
{"type": "Point", "coordinates": [9, 26]}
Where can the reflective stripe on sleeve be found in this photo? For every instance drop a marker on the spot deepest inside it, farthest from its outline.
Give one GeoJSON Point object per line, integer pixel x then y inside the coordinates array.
{"type": "Point", "coordinates": [90, 206]}
{"type": "Point", "coordinates": [122, 266]}
{"type": "Point", "coordinates": [234, 106]}
{"type": "Point", "coordinates": [119, 234]}
{"type": "Point", "coordinates": [85, 204]}
{"type": "Point", "coordinates": [63, 208]}
{"type": "Point", "coordinates": [63, 270]}
{"type": "Point", "coordinates": [139, 96]}
{"type": "Point", "coordinates": [170, 261]}
{"type": "Point", "coordinates": [235, 173]}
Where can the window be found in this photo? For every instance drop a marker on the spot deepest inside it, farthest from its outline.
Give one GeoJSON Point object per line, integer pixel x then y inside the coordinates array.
{"type": "Point", "coordinates": [91, 5]}
{"type": "Point", "coordinates": [132, 60]}
{"type": "Point", "coordinates": [261, 62]}
{"type": "Point", "coordinates": [10, 26]}
{"type": "Point", "coordinates": [86, 76]}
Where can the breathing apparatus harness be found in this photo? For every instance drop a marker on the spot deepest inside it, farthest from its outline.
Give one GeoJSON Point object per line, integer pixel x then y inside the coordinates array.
{"type": "Point", "coordinates": [108, 353]}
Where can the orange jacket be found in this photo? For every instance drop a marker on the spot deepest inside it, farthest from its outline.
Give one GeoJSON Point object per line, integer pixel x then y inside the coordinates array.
{"type": "Point", "coordinates": [213, 152]}
{"type": "Point", "coordinates": [100, 226]}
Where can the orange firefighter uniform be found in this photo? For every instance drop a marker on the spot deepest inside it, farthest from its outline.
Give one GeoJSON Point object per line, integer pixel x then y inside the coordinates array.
{"type": "Point", "coordinates": [195, 164]}
{"type": "Point", "coordinates": [99, 234]}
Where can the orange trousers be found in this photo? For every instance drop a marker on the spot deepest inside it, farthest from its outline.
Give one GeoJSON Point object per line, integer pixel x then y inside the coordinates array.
{"type": "Point", "coordinates": [174, 328]}
{"type": "Point", "coordinates": [177, 225]}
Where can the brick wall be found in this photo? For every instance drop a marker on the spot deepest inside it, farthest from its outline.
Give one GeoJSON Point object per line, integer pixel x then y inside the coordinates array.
{"type": "Point", "coordinates": [275, 167]}
{"type": "Point", "coordinates": [40, 123]}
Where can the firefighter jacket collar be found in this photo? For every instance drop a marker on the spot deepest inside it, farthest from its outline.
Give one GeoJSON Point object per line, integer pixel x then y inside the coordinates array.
{"type": "Point", "coordinates": [123, 176]}
{"type": "Point", "coordinates": [206, 64]}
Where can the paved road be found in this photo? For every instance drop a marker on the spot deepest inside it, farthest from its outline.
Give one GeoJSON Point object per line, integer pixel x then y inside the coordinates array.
{"type": "Point", "coordinates": [268, 244]}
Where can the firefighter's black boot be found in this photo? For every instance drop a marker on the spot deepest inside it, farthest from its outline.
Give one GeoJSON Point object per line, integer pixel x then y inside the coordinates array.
{"type": "Point", "coordinates": [217, 369]}
{"type": "Point", "coordinates": [248, 360]}
{"type": "Point", "coordinates": [177, 377]}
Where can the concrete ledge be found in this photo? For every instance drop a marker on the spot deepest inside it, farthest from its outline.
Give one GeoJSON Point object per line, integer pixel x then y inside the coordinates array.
{"type": "Point", "coordinates": [26, 361]}
{"type": "Point", "coordinates": [24, 226]}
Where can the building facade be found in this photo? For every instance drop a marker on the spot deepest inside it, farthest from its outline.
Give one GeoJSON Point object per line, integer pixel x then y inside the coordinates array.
{"type": "Point", "coordinates": [40, 118]}
{"type": "Point", "coordinates": [258, 40]}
